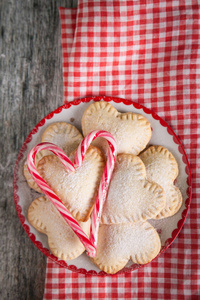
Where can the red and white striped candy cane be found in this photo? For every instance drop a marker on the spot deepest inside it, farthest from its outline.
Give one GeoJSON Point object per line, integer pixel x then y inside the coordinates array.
{"type": "Point", "coordinates": [89, 243]}
{"type": "Point", "coordinates": [103, 187]}
{"type": "Point", "coordinates": [50, 193]}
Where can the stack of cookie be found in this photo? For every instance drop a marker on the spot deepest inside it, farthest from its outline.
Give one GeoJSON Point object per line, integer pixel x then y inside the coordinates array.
{"type": "Point", "coordinates": [142, 188]}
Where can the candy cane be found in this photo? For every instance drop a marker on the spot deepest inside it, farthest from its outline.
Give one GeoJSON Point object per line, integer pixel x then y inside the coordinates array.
{"type": "Point", "coordinates": [50, 193]}
{"type": "Point", "coordinates": [103, 187]}
{"type": "Point", "coordinates": [89, 243]}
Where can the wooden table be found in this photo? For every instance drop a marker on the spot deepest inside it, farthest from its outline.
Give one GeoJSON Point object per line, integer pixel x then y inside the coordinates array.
{"type": "Point", "coordinates": [31, 87]}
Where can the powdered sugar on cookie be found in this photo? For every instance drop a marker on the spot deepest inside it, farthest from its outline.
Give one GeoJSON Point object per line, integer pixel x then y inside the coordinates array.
{"type": "Point", "coordinates": [62, 241]}
{"type": "Point", "coordinates": [131, 131]}
{"type": "Point", "coordinates": [161, 167]}
{"type": "Point", "coordinates": [64, 135]}
{"type": "Point", "coordinates": [76, 190]}
{"type": "Point", "coordinates": [131, 197]}
{"type": "Point", "coordinates": [119, 243]}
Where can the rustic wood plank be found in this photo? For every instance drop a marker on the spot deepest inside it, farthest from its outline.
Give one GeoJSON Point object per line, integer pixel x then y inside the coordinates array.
{"type": "Point", "coordinates": [31, 87]}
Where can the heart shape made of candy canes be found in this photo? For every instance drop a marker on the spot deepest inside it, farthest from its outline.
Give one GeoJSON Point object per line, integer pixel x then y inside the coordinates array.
{"type": "Point", "coordinates": [88, 242]}
{"type": "Point", "coordinates": [77, 190]}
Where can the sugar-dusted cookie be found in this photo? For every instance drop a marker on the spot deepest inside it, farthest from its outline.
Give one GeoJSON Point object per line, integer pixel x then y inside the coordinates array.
{"type": "Point", "coordinates": [117, 243]}
{"type": "Point", "coordinates": [131, 131]}
{"type": "Point", "coordinates": [62, 241]}
{"type": "Point", "coordinates": [131, 197]}
{"type": "Point", "coordinates": [76, 190]}
{"type": "Point", "coordinates": [162, 168]}
{"type": "Point", "coordinates": [62, 134]}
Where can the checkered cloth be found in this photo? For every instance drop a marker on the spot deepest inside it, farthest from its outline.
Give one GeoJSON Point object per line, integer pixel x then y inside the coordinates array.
{"type": "Point", "coordinates": [146, 51]}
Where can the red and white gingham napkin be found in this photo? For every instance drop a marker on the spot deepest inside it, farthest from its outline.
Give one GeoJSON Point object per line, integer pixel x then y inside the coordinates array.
{"type": "Point", "coordinates": [146, 51]}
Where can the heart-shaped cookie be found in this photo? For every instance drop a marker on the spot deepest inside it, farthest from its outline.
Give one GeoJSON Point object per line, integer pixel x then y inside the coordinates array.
{"type": "Point", "coordinates": [62, 240]}
{"type": "Point", "coordinates": [89, 243]}
{"type": "Point", "coordinates": [131, 131]}
{"type": "Point", "coordinates": [65, 136]}
{"type": "Point", "coordinates": [77, 190]}
{"type": "Point", "coordinates": [117, 243]}
{"type": "Point", "coordinates": [131, 197]}
{"type": "Point", "coordinates": [161, 167]}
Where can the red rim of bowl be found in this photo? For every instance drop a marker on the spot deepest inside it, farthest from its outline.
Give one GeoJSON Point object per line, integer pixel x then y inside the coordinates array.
{"type": "Point", "coordinates": [75, 103]}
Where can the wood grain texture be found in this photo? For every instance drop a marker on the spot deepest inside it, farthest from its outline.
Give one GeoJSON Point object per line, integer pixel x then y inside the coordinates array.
{"type": "Point", "coordinates": [31, 87]}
